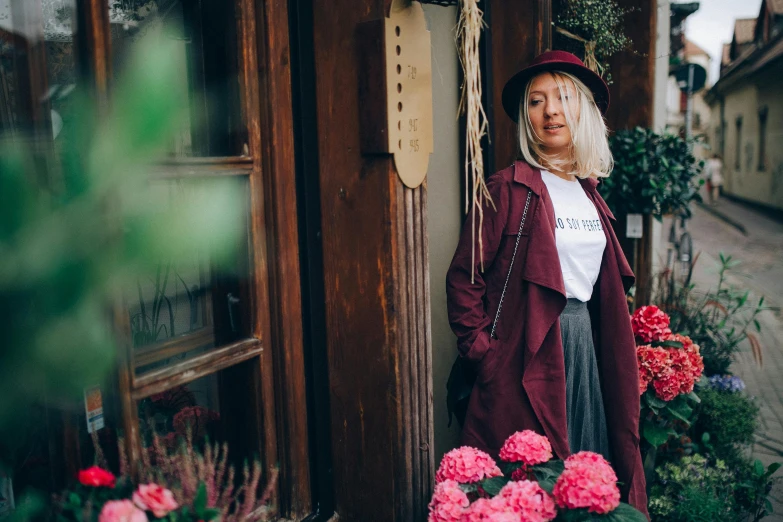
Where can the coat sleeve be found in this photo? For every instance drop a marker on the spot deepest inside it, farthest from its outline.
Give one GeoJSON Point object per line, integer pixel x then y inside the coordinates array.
{"type": "Point", "coordinates": [465, 299]}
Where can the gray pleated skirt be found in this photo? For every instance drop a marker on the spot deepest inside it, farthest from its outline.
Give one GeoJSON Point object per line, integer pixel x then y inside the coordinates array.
{"type": "Point", "coordinates": [584, 403]}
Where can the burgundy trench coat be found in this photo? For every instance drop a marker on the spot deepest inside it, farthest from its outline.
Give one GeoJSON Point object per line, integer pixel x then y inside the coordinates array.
{"type": "Point", "coordinates": [521, 374]}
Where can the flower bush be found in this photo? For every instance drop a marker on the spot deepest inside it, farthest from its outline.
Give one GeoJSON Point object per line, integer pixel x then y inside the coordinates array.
{"type": "Point", "coordinates": [534, 488]}
{"type": "Point", "coordinates": [670, 365]}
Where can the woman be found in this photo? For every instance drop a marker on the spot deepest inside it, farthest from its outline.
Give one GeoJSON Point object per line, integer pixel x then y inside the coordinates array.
{"type": "Point", "coordinates": [562, 359]}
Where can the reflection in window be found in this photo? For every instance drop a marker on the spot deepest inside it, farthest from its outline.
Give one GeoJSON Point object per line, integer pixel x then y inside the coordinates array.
{"type": "Point", "coordinates": [184, 307]}
{"type": "Point", "coordinates": [37, 75]}
{"type": "Point", "coordinates": [191, 408]}
{"type": "Point", "coordinates": [207, 37]}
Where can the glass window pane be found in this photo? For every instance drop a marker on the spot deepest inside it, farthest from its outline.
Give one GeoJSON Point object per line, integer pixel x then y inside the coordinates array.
{"type": "Point", "coordinates": [187, 306]}
{"type": "Point", "coordinates": [206, 32]}
{"type": "Point", "coordinates": [37, 66]}
{"type": "Point", "coordinates": [218, 408]}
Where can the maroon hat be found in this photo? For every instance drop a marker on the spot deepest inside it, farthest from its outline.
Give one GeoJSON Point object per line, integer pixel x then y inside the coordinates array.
{"type": "Point", "coordinates": [553, 61]}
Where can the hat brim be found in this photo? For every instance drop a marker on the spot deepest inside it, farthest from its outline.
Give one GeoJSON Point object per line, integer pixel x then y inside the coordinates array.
{"type": "Point", "coordinates": [515, 87]}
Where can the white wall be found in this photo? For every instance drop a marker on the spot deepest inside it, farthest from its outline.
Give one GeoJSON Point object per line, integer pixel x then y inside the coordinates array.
{"type": "Point", "coordinates": [660, 98]}
{"type": "Point", "coordinates": [443, 212]}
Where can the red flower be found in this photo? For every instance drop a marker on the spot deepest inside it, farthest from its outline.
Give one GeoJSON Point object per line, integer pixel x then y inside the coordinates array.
{"type": "Point", "coordinates": [671, 371]}
{"type": "Point", "coordinates": [650, 324]}
{"type": "Point", "coordinates": [97, 477]}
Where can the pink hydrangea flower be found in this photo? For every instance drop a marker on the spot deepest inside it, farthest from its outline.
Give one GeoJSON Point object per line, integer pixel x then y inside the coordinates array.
{"type": "Point", "coordinates": [528, 501]}
{"type": "Point", "coordinates": [588, 481]}
{"type": "Point", "coordinates": [527, 447]}
{"type": "Point", "coordinates": [650, 324]}
{"type": "Point", "coordinates": [159, 500]}
{"type": "Point", "coordinates": [505, 516]}
{"type": "Point", "coordinates": [488, 510]}
{"type": "Point", "coordinates": [466, 465]}
{"type": "Point", "coordinates": [121, 511]}
{"type": "Point", "coordinates": [448, 502]}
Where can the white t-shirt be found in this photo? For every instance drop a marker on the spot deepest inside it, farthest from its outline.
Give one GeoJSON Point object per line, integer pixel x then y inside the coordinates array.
{"type": "Point", "coordinates": [579, 235]}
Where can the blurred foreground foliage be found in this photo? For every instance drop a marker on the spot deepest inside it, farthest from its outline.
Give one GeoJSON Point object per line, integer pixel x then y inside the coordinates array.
{"type": "Point", "coordinates": [78, 227]}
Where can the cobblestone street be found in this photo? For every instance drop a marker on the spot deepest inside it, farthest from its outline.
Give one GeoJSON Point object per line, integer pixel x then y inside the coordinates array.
{"type": "Point", "coordinates": [761, 272]}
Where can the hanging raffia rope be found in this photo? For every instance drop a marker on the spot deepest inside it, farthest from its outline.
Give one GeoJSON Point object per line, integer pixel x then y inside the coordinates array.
{"type": "Point", "coordinates": [590, 60]}
{"type": "Point", "coordinates": [471, 21]}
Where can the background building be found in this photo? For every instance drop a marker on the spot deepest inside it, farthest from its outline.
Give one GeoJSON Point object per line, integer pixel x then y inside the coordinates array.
{"type": "Point", "coordinates": [747, 109]}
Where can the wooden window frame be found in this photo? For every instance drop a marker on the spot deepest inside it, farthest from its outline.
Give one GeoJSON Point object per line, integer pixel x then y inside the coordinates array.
{"type": "Point", "coordinates": [275, 344]}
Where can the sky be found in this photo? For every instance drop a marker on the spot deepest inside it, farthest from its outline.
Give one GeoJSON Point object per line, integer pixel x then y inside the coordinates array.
{"type": "Point", "coordinates": [713, 25]}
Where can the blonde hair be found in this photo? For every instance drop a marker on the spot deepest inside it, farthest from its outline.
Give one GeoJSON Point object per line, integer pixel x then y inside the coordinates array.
{"type": "Point", "coordinates": [589, 154]}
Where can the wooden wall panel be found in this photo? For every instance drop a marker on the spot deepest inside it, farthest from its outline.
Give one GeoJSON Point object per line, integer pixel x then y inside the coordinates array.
{"type": "Point", "coordinates": [632, 104]}
{"type": "Point", "coordinates": [518, 32]}
{"type": "Point", "coordinates": [633, 73]}
{"type": "Point", "coordinates": [374, 264]}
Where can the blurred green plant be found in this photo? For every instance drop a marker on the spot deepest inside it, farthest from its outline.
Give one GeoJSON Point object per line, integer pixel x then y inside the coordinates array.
{"type": "Point", "coordinates": [653, 174]}
{"type": "Point", "coordinates": [79, 228]}
{"type": "Point", "coordinates": [719, 320]}
{"type": "Point", "coordinates": [729, 419]}
{"type": "Point", "coordinates": [693, 490]}
{"type": "Point", "coordinates": [600, 24]}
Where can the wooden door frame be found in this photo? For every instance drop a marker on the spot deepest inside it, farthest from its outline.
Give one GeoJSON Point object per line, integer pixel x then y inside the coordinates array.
{"type": "Point", "coordinates": [265, 88]}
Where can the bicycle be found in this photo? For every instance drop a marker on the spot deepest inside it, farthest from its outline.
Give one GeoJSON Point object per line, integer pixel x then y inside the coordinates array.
{"type": "Point", "coordinates": [679, 254]}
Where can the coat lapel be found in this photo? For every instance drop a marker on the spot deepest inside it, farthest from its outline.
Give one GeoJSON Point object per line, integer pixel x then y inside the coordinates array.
{"type": "Point", "coordinates": [539, 270]}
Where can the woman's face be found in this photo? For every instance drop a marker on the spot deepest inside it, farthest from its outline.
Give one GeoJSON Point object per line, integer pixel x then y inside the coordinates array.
{"type": "Point", "coordinates": [547, 116]}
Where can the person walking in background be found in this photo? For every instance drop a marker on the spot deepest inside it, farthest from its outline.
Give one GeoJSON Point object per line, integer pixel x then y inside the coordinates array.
{"type": "Point", "coordinates": [714, 176]}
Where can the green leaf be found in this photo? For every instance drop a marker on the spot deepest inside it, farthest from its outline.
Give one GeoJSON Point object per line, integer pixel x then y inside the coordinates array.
{"type": "Point", "coordinates": [494, 485]}
{"type": "Point", "coordinates": [772, 469]}
{"type": "Point", "coordinates": [211, 514]}
{"type": "Point", "coordinates": [625, 513]}
{"type": "Point", "coordinates": [758, 468]}
{"type": "Point", "coordinates": [200, 502]}
{"type": "Point", "coordinates": [680, 409]}
{"type": "Point", "coordinates": [668, 344]}
{"type": "Point", "coordinates": [653, 400]}
{"type": "Point", "coordinates": [74, 499]}
{"type": "Point", "coordinates": [705, 438]}
{"type": "Point", "coordinates": [654, 434]}
{"type": "Point", "coordinates": [695, 398]}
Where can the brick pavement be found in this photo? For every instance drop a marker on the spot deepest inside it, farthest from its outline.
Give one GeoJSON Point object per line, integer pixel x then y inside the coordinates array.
{"type": "Point", "coordinates": [761, 272]}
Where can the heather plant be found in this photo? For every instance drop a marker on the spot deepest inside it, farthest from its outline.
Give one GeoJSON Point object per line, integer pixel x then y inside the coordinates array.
{"type": "Point", "coordinates": [180, 483]}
